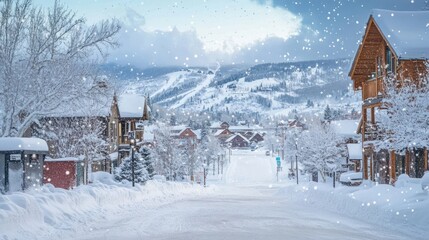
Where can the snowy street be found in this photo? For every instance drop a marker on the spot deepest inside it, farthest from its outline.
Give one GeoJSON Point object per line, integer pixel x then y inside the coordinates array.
{"type": "Point", "coordinates": [246, 207]}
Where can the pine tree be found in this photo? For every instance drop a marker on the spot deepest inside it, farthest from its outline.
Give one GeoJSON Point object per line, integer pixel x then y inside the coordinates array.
{"type": "Point", "coordinates": [124, 171]}
{"type": "Point", "coordinates": [328, 115]}
{"type": "Point", "coordinates": [146, 154]}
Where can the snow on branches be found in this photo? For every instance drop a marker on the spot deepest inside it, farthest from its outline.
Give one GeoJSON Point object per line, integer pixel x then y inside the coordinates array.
{"type": "Point", "coordinates": [404, 118]}
{"type": "Point", "coordinates": [318, 148]}
{"type": "Point", "coordinates": [46, 59]}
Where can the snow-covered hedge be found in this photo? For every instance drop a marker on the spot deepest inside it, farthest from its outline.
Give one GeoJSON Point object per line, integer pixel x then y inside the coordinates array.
{"type": "Point", "coordinates": [39, 214]}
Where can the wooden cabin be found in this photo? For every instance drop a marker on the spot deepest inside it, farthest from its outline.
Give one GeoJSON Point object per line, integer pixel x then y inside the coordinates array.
{"type": "Point", "coordinates": [395, 43]}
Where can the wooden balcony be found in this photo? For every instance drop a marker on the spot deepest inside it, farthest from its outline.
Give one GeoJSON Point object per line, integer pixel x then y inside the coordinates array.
{"type": "Point", "coordinates": [372, 91]}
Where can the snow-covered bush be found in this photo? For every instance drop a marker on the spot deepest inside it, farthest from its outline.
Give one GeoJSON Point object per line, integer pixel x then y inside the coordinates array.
{"type": "Point", "coordinates": [425, 181]}
{"type": "Point", "coordinates": [402, 181]}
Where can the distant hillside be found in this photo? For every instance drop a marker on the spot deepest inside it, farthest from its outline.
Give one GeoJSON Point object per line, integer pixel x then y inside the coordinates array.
{"type": "Point", "coordinates": [260, 88]}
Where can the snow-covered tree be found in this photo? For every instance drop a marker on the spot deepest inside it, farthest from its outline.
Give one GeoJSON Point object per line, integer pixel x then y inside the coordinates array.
{"type": "Point", "coordinates": [75, 137]}
{"type": "Point", "coordinates": [47, 58]}
{"type": "Point", "coordinates": [319, 149]}
{"type": "Point", "coordinates": [208, 151]}
{"type": "Point", "coordinates": [124, 171]}
{"type": "Point", "coordinates": [146, 154]}
{"type": "Point", "coordinates": [328, 115]}
{"type": "Point", "coordinates": [167, 154]}
{"type": "Point", "coordinates": [405, 117]}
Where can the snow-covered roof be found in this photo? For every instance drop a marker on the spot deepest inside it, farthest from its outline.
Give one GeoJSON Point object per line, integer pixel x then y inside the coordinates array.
{"type": "Point", "coordinates": [23, 144]}
{"type": "Point", "coordinates": [345, 128]}
{"type": "Point", "coordinates": [245, 128]}
{"type": "Point", "coordinates": [65, 159]}
{"type": "Point", "coordinates": [131, 105]}
{"type": "Point", "coordinates": [355, 151]}
{"type": "Point", "coordinates": [237, 135]}
{"type": "Point", "coordinates": [406, 31]}
{"type": "Point", "coordinates": [198, 133]}
{"type": "Point", "coordinates": [97, 105]}
{"type": "Point", "coordinates": [217, 124]}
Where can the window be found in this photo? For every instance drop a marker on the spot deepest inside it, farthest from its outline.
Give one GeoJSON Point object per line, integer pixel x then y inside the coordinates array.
{"type": "Point", "coordinates": [379, 67]}
{"type": "Point", "coordinates": [390, 61]}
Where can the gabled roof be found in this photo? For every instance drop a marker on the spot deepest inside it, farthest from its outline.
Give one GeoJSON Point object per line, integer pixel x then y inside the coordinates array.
{"type": "Point", "coordinates": [220, 132]}
{"type": "Point", "coordinates": [407, 32]}
{"type": "Point", "coordinates": [237, 135]}
{"type": "Point", "coordinates": [354, 151]}
{"type": "Point", "coordinates": [131, 105]}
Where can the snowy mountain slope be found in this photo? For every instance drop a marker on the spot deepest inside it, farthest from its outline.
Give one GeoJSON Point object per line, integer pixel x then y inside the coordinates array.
{"type": "Point", "coordinates": [260, 88]}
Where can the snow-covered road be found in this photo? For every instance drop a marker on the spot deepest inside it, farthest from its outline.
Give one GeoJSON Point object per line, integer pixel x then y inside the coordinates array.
{"type": "Point", "coordinates": [247, 207]}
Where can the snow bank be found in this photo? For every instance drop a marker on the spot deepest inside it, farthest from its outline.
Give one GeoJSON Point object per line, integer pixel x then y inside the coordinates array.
{"type": "Point", "coordinates": [406, 206]}
{"type": "Point", "coordinates": [45, 213]}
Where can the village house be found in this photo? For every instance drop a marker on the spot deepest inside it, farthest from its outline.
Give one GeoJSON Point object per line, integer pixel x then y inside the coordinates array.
{"type": "Point", "coordinates": [237, 141]}
{"type": "Point", "coordinates": [395, 44]}
{"type": "Point", "coordinates": [225, 133]}
{"type": "Point", "coordinates": [127, 122]}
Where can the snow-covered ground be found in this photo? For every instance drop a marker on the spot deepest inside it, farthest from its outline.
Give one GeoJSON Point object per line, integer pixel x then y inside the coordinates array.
{"type": "Point", "coordinates": [248, 204]}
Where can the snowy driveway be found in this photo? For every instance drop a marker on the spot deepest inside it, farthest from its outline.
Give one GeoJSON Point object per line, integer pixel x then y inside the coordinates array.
{"type": "Point", "coordinates": [237, 211]}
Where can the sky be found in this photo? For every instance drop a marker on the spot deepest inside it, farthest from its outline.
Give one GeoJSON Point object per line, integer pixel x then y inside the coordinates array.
{"type": "Point", "coordinates": [205, 32]}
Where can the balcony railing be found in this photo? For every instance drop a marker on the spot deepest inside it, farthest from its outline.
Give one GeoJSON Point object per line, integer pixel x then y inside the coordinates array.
{"type": "Point", "coordinates": [374, 132]}
{"type": "Point", "coordinates": [372, 88]}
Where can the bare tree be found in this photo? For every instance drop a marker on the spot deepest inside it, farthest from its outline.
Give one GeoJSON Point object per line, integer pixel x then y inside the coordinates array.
{"type": "Point", "coordinates": [47, 58]}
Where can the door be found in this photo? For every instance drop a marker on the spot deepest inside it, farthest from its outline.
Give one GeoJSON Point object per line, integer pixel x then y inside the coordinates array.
{"type": "Point", "coordinates": [15, 173]}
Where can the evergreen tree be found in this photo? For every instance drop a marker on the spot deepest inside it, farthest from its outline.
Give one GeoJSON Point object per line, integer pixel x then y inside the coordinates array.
{"type": "Point", "coordinates": [328, 115]}
{"type": "Point", "coordinates": [309, 103]}
{"type": "Point", "coordinates": [124, 171]}
{"type": "Point", "coordinates": [146, 154]}
{"type": "Point", "coordinates": [173, 120]}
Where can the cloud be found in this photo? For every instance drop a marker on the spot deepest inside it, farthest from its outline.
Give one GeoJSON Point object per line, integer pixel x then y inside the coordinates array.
{"type": "Point", "coordinates": [159, 48]}
{"type": "Point", "coordinates": [215, 31]}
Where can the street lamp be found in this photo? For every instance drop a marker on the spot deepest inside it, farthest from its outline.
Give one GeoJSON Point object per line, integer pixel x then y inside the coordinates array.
{"type": "Point", "coordinates": [132, 142]}
{"type": "Point", "coordinates": [205, 173]}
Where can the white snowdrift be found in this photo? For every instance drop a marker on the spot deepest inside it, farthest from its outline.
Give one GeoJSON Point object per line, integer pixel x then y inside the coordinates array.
{"type": "Point", "coordinates": [41, 214]}
{"type": "Point", "coordinates": [406, 206]}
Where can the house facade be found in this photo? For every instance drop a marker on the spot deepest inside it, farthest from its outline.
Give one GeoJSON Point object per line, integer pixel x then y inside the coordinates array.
{"type": "Point", "coordinates": [395, 44]}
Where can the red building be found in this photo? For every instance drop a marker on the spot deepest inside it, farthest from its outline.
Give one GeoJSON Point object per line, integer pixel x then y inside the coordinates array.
{"type": "Point", "coordinates": [64, 173]}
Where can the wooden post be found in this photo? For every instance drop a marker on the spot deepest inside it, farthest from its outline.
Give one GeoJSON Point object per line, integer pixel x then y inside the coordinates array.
{"type": "Point", "coordinates": [371, 166]}
{"type": "Point", "coordinates": [392, 167]}
{"type": "Point", "coordinates": [365, 167]}
{"type": "Point", "coordinates": [364, 158]}
{"type": "Point", "coordinates": [425, 158]}
{"type": "Point", "coordinates": [373, 115]}
{"type": "Point", "coordinates": [407, 162]}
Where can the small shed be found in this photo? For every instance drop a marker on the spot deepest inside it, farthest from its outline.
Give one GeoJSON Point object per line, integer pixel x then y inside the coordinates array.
{"type": "Point", "coordinates": [21, 163]}
{"type": "Point", "coordinates": [354, 151]}
{"type": "Point", "coordinates": [64, 173]}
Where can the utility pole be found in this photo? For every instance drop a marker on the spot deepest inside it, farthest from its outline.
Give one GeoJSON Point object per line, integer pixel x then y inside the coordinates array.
{"type": "Point", "coordinates": [218, 162]}
{"type": "Point", "coordinates": [296, 164]}
{"type": "Point", "coordinates": [132, 161]}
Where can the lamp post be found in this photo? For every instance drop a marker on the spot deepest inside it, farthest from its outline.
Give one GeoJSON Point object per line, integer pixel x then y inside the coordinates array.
{"type": "Point", "coordinates": [205, 173]}
{"type": "Point", "coordinates": [132, 141]}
